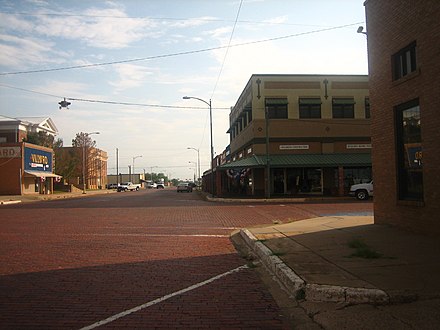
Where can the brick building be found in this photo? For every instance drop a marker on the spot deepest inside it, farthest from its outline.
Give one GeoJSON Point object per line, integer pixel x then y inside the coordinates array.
{"type": "Point", "coordinates": [403, 50]}
{"type": "Point", "coordinates": [297, 134]}
{"type": "Point", "coordinates": [83, 165]}
{"type": "Point", "coordinates": [13, 130]}
{"type": "Point", "coordinates": [25, 168]}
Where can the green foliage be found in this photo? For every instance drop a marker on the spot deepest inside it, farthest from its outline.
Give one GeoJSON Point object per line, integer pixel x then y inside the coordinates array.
{"type": "Point", "coordinates": [83, 140]}
{"type": "Point", "coordinates": [363, 250]}
{"type": "Point", "coordinates": [67, 162]}
{"type": "Point", "coordinates": [41, 139]}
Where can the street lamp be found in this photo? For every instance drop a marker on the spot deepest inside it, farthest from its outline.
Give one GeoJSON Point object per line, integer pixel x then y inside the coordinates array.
{"type": "Point", "coordinates": [133, 166]}
{"type": "Point", "coordinates": [195, 169]}
{"type": "Point", "coordinates": [84, 160]}
{"type": "Point", "coordinates": [152, 172]}
{"type": "Point", "coordinates": [198, 161]}
{"type": "Point", "coordinates": [212, 147]}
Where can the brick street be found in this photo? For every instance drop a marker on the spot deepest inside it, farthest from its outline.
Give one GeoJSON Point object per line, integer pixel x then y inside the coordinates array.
{"type": "Point", "coordinates": [71, 263]}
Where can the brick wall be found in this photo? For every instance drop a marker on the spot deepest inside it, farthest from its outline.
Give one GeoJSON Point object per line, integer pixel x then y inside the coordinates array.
{"type": "Point", "coordinates": [392, 25]}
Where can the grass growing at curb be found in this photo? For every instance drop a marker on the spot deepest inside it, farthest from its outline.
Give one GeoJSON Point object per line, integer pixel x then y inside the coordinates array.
{"type": "Point", "coordinates": [300, 295]}
{"type": "Point", "coordinates": [363, 250]}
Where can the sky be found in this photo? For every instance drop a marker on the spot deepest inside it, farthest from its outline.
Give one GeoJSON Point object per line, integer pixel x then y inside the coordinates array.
{"type": "Point", "coordinates": [126, 65]}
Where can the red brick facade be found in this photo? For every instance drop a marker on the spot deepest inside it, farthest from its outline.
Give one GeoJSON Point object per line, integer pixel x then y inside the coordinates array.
{"type": "Point", "coordinates": [391, 26]}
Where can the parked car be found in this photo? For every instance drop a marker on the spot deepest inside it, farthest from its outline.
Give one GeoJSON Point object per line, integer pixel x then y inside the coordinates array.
{"type": "Point", "coordinates": [184, 186]}
{"type": "Point", "coordinates": [112, 186]}
{"type": "Point", "coordinates": [362, 191]}
{"type": "Point", "coordinates": [128, 186]}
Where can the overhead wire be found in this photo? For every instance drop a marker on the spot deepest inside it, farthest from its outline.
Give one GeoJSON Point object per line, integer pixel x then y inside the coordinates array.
{"type": "Point", "coordinates": [111, 102]}
{"type": "Point", "coordinates": [83, 66]}
{"type": "Point", "coordinates": [202, 19]}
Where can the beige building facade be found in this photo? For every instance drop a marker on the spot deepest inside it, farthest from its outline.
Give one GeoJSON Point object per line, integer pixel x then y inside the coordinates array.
{"type": "Point", "coordinates": [298, 134]}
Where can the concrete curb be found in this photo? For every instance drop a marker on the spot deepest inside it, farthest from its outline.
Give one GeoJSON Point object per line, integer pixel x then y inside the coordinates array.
{"type": "Point", "coordinates": [311, 292]}
{"type": "Point", "coordinates": [209, 198]}
{"type": "Point", "coordinates": [9, 202]}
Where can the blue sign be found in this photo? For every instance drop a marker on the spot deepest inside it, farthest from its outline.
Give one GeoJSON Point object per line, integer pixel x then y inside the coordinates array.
{"type": "Point", "coordinates": [37, 160]}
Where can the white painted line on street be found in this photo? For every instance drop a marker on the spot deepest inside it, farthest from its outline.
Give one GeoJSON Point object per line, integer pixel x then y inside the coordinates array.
{"type": "Point", "coordinates": [158, 235]}
{"type": "Point", "coordinates": [161, 299]}
{"type": "Point", "coordinates": [164, 227]}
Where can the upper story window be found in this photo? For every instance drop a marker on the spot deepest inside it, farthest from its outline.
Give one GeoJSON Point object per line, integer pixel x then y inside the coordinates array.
{"type": "Point", "coordinates": [404, 61]}
{"type": "Point", "coordinates": [276, 108]}
{"type": "Point", "coordinates": [310, 107]}
{"type": "Point", "coordinates": [409, 151]}
{"type": "Point", "coordinates": [249, 115]}
{"type": "Point", "coordinates": [343, 107]}
{"type": "Point", "coordinates": [367, 108]}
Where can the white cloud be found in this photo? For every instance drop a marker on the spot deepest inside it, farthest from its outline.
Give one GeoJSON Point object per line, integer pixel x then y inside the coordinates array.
{"type": "Point", "coordinates": [192, 22]}
{"type": "Point", "coordinates": [105, 28]}
{"type": "Point", "coordinates": [130, 76]}
{"type": "Point", "coordinates": [16, 52]}
{"type": "Point", "coordinates": [219, 32]}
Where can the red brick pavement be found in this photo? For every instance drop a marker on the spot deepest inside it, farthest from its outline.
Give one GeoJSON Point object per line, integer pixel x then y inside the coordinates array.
{"type": "Point", "coordinates": [69, 264]}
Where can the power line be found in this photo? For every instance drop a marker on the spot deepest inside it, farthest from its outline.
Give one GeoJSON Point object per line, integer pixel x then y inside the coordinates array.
{"type": "Point", "coordinates": [227, 49]}
{"type": "Point", "coordinates": [180, 53]}
{"type": "Point", "coordinates": [111, 102]}
{"type": "Point", "coordinates": [202, 19]}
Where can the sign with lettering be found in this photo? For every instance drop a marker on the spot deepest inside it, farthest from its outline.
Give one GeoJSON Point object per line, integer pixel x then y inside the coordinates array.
{"type": "Point", "coordinates": [359, 146]}
{"type": "Point", "coordinates": [37, 160]}
{"type": "Point", "coordinates": [294, 146]}
{"type": "Point", "coordinates": [10, 152]}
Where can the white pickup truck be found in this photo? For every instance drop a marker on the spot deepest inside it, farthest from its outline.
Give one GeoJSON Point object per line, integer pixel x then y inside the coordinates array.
{"type": "Point", "coordinates": [156, 185]}
{"type": "Point", "coordinates": [128, 186]}
{"type": "Point", "coordinates": [362, 191]}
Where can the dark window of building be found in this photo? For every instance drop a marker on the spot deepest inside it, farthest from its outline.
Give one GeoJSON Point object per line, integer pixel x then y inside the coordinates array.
{"type": "Point", "coordinates": [343, 107]}
{"type": "Point", "coordinates": [404, 61]}
{"type": "Point", "coordinates": [276, 108]}
{"type": "Point", "coordinates": [409, 151]}
{"type": "Point", "coordinates": [367, 107]}
{"type": "Point", "coordinates": [309, 107]}
{"type": "Point", "coordinates": [249, 114]}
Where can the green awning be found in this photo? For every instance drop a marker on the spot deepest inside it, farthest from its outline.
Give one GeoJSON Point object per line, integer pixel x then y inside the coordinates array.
{"type": "Point", "coordinates": [310, 100]}
{"type": "Point", "coordinates": [302, 160]}
{"type": "Point", "coordinates": [342, 100]}
{"type": "Point", "coordinates": [277, 101]}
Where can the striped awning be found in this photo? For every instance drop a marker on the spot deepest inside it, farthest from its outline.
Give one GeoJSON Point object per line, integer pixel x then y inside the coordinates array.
{"type": "Point", "coordinates": [302, 160]}
{"type": "Point", "coordinates": [41, 174]}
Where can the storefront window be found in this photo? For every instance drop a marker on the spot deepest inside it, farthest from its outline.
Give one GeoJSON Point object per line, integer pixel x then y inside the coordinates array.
{"type": "Point", "coordinates": [355, 175]}
{"type": "Point", "coordinates": [304, 180]}
{"type": "Point", "coordinates": [409, 151]}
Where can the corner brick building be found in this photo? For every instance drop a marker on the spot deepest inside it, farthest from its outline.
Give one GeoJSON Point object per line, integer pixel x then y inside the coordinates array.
{"type": "Point", "coordinates": [403, 50]}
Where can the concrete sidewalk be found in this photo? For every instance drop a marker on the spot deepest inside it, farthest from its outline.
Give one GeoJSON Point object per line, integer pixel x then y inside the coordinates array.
{"type": "Point", "coordinates": [349, 260]}
{"type": "Point", "coordinates": [14, 199]}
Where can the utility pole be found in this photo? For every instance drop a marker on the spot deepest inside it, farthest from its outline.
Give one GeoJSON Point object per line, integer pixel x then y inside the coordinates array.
{"type": "Point", "coordinates": [117, 166]}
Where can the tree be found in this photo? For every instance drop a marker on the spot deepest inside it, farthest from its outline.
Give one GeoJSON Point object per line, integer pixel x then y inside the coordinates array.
{"type": "Point", "coordinates": [66, 160]}
{"type": "Point", "coordinates": [83, 140]}
{"type": "Point", "coordinates": [40, 138]}
{"type": "Point", "coordinates": [86, 151]}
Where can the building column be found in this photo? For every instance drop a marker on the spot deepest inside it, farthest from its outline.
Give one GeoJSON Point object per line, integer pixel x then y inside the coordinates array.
{"type": "Point", "coordinates": [341, 191]}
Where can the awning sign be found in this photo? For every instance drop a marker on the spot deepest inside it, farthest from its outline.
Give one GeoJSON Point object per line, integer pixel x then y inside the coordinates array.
{"type": "Point", "coordinates": [37, 160]}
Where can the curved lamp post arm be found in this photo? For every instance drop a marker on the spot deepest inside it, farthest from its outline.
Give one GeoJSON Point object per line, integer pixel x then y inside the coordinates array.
{"type": "Point", "coordinates": [212, 143]}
